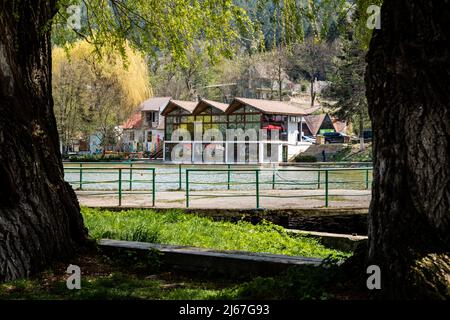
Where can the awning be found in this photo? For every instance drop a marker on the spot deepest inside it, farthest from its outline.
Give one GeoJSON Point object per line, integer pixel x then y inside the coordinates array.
{"type": "Point", "coordinates": [272, 127]}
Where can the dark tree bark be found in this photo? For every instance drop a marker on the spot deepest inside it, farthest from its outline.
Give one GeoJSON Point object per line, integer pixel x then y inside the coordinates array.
{"type": "Point", "coordinates": [408, 78]}
{"type": "Point", "coordinates": [40, 219]}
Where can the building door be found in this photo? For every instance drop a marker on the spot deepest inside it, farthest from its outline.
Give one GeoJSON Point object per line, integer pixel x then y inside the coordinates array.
{"type": "Point", "coordinates": [285, 153]}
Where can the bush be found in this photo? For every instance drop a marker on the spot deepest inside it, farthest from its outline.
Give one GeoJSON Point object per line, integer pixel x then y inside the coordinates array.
{"type": "Point", "coordinates": [305, 158]}
{"type": "Point", "coordinates": [147, 154]}
{"type": "Point", "coordinates": [96, 158]}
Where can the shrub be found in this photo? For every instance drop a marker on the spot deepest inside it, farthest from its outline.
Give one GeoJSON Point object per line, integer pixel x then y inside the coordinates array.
{"type": "Point", "coordinates": [96, 158]}
{"type": "Point", "coordinates": [305, 158]}
{"type": "Point", "coordinates": [147, 154]}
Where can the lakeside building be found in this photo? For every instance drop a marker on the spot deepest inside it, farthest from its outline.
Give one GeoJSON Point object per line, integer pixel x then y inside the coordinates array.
{"type": "Point", "coordinates": [263, 131]}
{"type": "Point", "coordinates": [144, 130]}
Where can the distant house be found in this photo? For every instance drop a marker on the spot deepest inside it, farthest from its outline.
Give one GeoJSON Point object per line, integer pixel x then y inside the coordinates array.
{"type": "Point", "coordinates": [262, 82]}
{"type": "Point", "coordinates": [144, 130]}
{"type": "Point", "coordinates": [321, 123]}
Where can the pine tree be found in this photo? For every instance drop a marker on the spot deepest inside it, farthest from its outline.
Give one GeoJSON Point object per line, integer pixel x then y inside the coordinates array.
{"type": "Point", "coordinates": [348, 88]}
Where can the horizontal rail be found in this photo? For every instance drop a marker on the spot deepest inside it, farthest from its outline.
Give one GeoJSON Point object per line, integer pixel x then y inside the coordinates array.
{"type": "Point", "coordinates": [257, 182]}
{"type": "Point", "coordinates": [235, 175]}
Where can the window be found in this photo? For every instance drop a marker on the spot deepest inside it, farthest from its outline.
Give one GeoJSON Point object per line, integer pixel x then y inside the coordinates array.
{"type": "Point", "coordinates": [151, 117]}
{"type": "Point", "coordinates": [250, 110]}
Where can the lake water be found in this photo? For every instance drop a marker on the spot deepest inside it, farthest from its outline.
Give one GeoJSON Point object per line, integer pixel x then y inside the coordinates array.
{"type": "Point", "coordinates": [167, 177]}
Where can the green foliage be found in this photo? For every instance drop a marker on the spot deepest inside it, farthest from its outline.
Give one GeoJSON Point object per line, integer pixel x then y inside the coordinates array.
{"type": "Point", "coordinates": [168, 27]}
{"type": "Point", "coordinates": [353, 154]}
{"type": "Point", "coordinates": [301, 284]}
{"type": "Point", "coordinates": [362, 33]}
{"type": "Point", "coordinates": [348, 87]}
{"type": "Point", "coordinates": [305, 158]}
{"type": "Point", "coordinates": [96, 158]}
{"type": "Point", "coordinates": [306, 283]}
{"type": "Point", "coordinates": [175, 227]}
{"type": "Point", "coordinates": [117, 285]}
{"type": "Point", "coordinates": [142, 261]}
{"type": "Point", "coordinates": [92, 96]}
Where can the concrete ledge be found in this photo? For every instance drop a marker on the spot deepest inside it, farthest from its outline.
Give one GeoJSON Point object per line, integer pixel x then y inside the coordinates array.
{"type": "Point", "coordinates": [230, 263]}
{"type": "Point", "coordinates": [344, 242]}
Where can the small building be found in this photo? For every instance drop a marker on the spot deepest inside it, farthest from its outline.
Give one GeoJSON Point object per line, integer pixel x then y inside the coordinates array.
{"type": "Point", "coordinates": [144, 130]}
{"type": "Point", "coordinates": [245, 131]}
{"type": "Point", "coordinates": [321, 123]}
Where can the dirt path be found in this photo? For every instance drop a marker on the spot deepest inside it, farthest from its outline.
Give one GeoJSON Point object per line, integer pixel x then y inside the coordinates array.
{"type": "Point", "coordinates": [228, 199]}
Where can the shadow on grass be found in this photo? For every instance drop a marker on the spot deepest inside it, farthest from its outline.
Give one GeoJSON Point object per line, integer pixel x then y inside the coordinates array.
{"type": "Point", "coordinates": [106, 278]}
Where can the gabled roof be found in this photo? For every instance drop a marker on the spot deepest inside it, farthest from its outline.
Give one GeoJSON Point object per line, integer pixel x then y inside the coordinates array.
{"type": "Point", "coordinates": [314, 122]}
{"type": "Point", "coordinates": [203, 103]}
{"type": "Point", "coordinates": [269, 106]}
{"type": "Point", "coordinates": [188, 106]}
{"type": "Point", "coordinates": [133, 122]}
{"type": "Point", "coordinates": [339, 126]}
{"type": "Point", "coordinates": [154, 104]}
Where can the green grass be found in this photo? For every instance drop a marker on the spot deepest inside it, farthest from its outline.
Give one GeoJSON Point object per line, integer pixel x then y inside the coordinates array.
{"type": "Point", "coordinates": [307, 283]}
{"type": "Point", "coordinates": [353, 154]}
{"type": "Point", "coordinates": [350, 179]}
{"type": "Point", "coordinates": [115, 286]}
{"type": "Point", "coordinates": [124, 277]}
{"type": "Point", "coordinates": [177, 228]}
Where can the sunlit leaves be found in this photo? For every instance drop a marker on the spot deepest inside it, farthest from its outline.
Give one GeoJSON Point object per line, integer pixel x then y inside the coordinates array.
{"type": "Point", "coordinates": [171, 26]}
{"type": "Point", "coordinates": [93, 94]}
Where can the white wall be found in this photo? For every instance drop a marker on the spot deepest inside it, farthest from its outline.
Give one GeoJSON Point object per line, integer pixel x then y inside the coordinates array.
{"type": "Point", "coordinates": [293, 150]}
{"type": "Point", "coordinates": [292, 132]}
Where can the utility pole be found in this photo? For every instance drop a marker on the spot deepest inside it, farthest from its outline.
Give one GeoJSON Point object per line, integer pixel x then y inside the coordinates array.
{"type": "Point", "coordinates": [279, 79]}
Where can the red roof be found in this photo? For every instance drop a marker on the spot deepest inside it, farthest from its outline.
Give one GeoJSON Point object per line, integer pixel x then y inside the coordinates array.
{"type": "Point", "coordinates": [340, 126]}
{"type": "Point", "coordinates": [134, 122]}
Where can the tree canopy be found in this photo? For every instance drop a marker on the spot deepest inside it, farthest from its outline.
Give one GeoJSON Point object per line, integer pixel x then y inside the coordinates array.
{"type": "Point", "coordinates": [91, 95]}
{"type": "Point", "coordinates": [156, 27]}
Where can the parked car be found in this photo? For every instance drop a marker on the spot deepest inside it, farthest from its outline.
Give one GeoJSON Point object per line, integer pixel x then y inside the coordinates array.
{"type": "Point", "coordinates": [367, 134]}
{"type": "Point", "coordinates": [334, 137]}
{"type": "Point", "coordinates": [309, 139]}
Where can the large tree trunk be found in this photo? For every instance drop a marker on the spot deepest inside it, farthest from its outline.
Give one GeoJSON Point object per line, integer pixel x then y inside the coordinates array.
{"type": "Point", "coordinates": [407, 80]}
{"type": "Point", "coordinates": [362, 147]}
{"type": "Point", "coordinates": [40, 219]}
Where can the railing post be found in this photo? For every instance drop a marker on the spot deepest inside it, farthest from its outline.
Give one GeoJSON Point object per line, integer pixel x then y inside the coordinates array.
{"type": "Point", "coordinates": [257, 188]}
{"type": "Point", "coordinates": [187, 188]}
{"type": "Point", "coordinates": [179, 177]}
{"type": "Point", "coordinates": [326, 188]}
{"type": "Point", "coordinates": [131, 176]}
{"type": "Point", "coordinates": [120, 187]}
{"type": "Point", "coordinates": [81, 176]}
{"type": "Point", "coordinates": [229, 177]}
{"type": "Point", "coordinates": [318, 179]}
{"type": "Point", "coordinates": [367, 179]}
{"type": "Point", "coordinates": [153, 187]}
{"type": "Point", "coordinates": [273, 178]}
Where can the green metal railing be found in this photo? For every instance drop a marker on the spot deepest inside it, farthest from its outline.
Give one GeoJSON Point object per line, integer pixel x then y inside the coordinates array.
{"type": "Point", "coordinates": [181, 168]}
{"type": "Point", "coordinates": [120, 172]}
{"type": "Point", "coordinates": [261, 179]}
{"type": "Point", "coordinates": [257, 172]}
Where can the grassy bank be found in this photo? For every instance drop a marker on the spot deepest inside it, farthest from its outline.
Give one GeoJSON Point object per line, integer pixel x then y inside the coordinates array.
{"type": "Point", "coordinates": [103, 279]}
{"type": "Point", "coordinates": [123, 277]}
{"type": "Point", "coordinates": [354, 154]}
{"type": "Point", "coordinates": [175, 227]}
